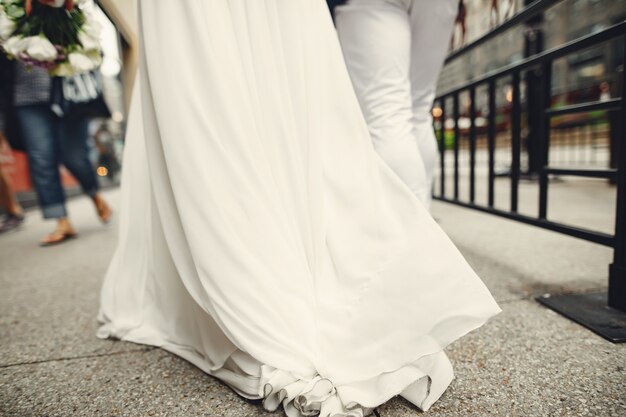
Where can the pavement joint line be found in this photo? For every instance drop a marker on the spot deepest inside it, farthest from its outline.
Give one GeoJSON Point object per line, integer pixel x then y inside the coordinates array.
{"type": "Point", "coordinates": [98, 355]}
{"type": "Point", "coordinates": [533, 297]}
{"type": "Point", "coordinates": [515, 300]}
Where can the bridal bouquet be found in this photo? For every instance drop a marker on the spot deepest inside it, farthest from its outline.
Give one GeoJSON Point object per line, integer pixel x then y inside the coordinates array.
{"type": "Point", "coordinates": [61, 36]}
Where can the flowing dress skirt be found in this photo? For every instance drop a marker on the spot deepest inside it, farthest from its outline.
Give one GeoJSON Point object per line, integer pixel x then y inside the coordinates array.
{"type": "Point", "coordinates": [261, 237]}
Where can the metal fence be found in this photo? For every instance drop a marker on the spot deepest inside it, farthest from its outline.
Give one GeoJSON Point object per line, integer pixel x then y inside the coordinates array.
{"type": "Point", "coordinates": [535, 115]}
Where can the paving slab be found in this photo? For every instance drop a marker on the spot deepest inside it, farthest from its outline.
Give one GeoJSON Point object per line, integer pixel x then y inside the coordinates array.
{"type": "Point", "coordinates": [528, 362]}
{"type": "Point", "coordinates": [519, 261]}
{"type": "Point", "coordinates": [152, 383]}
{"type": "Point", "coordinates": [24, 265]}
{"type": "Point", "coordinates": [50, 296]}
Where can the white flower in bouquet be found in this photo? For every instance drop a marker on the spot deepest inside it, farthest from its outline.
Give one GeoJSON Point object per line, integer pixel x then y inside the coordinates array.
{"type": "Point", "coordinates": [92, 27]}
{"type": "Point", "coordinates": [15, 45]}
{"type": "Point", "coordinates": [88, 42]}
{"type": "Point", "coordinates": [84, 62]}
{"type": "Point", "coordinates": [89, 36]}
{"type": "Point", "coordinates": [41, 49]}
{"type": "Point", "coordinates": [7, 25]}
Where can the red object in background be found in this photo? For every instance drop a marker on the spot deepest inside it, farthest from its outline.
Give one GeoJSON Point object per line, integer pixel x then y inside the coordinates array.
{"type": "Point", "coordinates": [16, 165]}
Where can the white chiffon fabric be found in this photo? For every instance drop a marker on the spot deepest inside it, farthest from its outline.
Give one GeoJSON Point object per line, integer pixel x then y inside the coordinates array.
{"type": "Point", "coordinates": [261, 237]}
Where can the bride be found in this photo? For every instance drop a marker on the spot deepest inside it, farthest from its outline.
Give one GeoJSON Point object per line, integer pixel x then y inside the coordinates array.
{"type": "Point", "coordinates": [262, 238]}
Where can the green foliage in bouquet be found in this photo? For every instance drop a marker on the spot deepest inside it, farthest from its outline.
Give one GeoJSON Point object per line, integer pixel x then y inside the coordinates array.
{"type": "Point", "coordinates": [59, 25]}
{"type": "Point", "coordinates": [63, 40]}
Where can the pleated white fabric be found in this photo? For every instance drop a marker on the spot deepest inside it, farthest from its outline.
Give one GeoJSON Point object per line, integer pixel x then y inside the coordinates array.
{"type": "Point", "coordinates": [261, 237]}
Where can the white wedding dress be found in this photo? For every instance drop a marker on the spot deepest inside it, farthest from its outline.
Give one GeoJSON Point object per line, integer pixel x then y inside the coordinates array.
{"type": "Point", "coordinates": [262, 238]}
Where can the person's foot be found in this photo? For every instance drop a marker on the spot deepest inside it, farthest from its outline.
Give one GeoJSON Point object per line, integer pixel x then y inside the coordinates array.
{"type": "Point", "coordinates": [11, 222]}
{"type": "Point", "coordinates": [16, 210]}
{"type": "Point", "coordinates": [103, 209]}
{"type": "Point", "coordinates": [63, 232]}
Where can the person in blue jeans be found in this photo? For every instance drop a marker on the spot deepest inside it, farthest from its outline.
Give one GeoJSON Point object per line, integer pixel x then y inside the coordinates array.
{"type": "Point", "coordinates": [51, 141]}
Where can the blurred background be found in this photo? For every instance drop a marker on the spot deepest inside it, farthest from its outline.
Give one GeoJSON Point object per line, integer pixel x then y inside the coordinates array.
{"type": "Point", "coordinates": [106, 142]}
{"type": "Point", "coordinates": [582, 140]}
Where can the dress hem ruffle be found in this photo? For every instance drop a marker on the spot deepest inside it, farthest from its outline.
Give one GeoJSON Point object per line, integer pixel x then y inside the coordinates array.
{"type": "Point", "coordinates": [421, 381]}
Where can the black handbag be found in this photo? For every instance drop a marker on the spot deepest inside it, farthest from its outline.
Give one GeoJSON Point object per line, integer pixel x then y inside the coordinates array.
{"type": "Point", "coordinates": [79, 96]}
{"type": "Point", "coordinates": [12, 131]}
{"type": "Point", "coordinates": [7, 110]}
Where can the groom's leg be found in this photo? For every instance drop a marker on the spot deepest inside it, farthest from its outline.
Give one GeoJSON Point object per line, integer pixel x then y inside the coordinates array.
{"type": "Point", "coordinates": [376, 42]}
{"type": "Point", "coordinates": [432, 23]}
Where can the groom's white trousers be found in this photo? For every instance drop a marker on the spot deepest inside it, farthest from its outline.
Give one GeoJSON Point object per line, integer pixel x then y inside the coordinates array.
{"type": "Point", "coordinates": [394, 51]}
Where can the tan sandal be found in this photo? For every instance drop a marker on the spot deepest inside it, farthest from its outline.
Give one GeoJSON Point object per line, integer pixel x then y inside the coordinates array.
{"type": "Point", "coordinates": [104, 211]}
{"type": "Point", "coordinates": [57, 237]}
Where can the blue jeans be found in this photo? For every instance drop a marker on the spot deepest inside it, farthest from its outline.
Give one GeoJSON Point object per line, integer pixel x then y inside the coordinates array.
{"type": "Point", "coordinates": [51, 141]}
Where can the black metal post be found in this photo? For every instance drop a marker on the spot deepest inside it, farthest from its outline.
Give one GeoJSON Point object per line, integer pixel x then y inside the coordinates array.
{"type": "Point", "coordinates": [615, 118]}
{"type": "Point", "coordinates": [472, 144]}
{"type": "Point", "coordinates": [491, 141]}
{"type": "Point", "coordinates": [533, 45]}
{"type": "Point", "coordinates": [457, 138]}
{"type": "Point", "coordinates": [546, 87]}
{"type": "Point", "coordinates": [442, 147]}
{"type": "Point", "coordinates": [516, 128]}
{"type": "Point", "coordinates": [617, 270]}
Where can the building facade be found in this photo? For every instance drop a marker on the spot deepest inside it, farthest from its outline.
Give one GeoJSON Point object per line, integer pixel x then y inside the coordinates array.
{"type": "Point", "coordinates": [568, 20]}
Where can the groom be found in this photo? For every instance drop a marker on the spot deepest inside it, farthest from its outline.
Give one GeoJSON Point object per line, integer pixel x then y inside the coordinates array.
{"type": "Point", "coordinates": [394, 51]}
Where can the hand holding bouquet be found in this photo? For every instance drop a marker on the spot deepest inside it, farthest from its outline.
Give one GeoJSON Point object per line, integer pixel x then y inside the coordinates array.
{"type": "Point", "coordinates": [59, 35]}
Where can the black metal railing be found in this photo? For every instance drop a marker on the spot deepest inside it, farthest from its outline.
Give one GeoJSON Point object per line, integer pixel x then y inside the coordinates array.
{"type": "Point", "coordinates": [609, 322]}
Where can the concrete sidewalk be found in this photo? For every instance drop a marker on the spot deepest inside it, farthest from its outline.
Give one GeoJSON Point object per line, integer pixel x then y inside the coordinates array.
{"type": "Point", "coordinates": [527, 362]}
